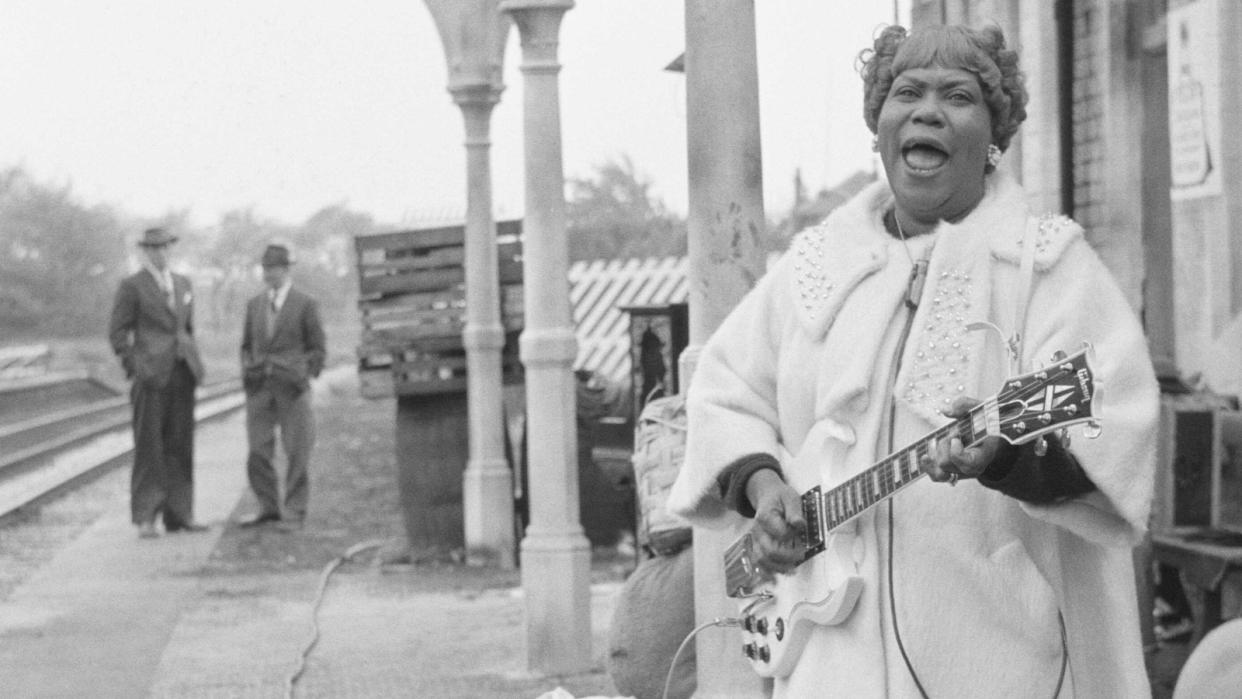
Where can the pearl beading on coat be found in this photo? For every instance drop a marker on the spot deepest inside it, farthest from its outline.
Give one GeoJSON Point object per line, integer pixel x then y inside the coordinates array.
{"type": "Point", "coordinates": [813, 284]}
{"type": "Point", "coordinates": [1049, 225]}
{"type": "Point", "coordinates": [1052, 234]}
{"type": "Point", "coordinates": [939, 363]}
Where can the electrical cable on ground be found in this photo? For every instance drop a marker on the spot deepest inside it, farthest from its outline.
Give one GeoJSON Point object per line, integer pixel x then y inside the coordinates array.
{"type": "Point", "coordinates": [722, 622]}
{"type": "Point", "coordinates": [314, 622]}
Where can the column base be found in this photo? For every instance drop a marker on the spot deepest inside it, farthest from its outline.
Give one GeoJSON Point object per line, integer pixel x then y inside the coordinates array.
{"type": "Point", "coordinates": [556, 578]}
{"type": "Point", "coordinates": [487, 492]}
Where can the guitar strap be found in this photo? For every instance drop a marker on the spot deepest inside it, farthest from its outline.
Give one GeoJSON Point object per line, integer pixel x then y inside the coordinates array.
{"type": "Point", "coordinates": [1026, 274]}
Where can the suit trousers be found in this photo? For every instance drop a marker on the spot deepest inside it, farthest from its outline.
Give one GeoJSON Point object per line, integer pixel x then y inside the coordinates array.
{"type": "Point", "coordinates": [162, 480]}
{"type": "Point", "coordinates": [272, 405]}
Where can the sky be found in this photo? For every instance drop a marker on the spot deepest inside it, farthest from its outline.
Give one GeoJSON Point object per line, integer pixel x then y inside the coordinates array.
{"type": "Point", "coordinates": [288, 106]}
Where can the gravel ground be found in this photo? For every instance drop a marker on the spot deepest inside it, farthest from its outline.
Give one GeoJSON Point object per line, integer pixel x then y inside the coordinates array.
{"type": "Point", "coordinates": [264, 580]}
{"type": "Point", "coordinates": [31, 537]}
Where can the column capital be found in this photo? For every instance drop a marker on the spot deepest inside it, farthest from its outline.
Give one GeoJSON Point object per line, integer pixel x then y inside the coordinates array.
{"type": "Point", "coordinates": [539, 23]}
{"type": "Point", "coordinates": [514, 6]}
{"type": "Point", "coordinates": [476, 101]}
{"type": "Point", "coordinates": [473, 34]}
{"type": "Point", "coordinates": [476, 94]}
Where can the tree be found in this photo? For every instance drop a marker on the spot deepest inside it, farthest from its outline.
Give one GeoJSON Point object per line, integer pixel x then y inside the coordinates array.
{"type": "Point", "coordinates": [614, 215]}
{"type": "Point", "coordinates": [59, 259]}
{"type": "Point", "coordinates": [231, 257]}
{"type": "Point", "coordinates": [322, 247]}
{"type": "Point", "coordinates": [326, 245]}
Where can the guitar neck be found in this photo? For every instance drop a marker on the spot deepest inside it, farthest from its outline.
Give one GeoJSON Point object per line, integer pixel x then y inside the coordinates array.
{"type": "Point", "coordinates": [828, 510]}
{"type": "Point", "coordinates": [1047, 399]}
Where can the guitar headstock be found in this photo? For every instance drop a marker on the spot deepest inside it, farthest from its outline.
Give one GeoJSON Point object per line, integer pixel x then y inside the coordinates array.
{"type": "Point", "coordinates": [1061, 394]}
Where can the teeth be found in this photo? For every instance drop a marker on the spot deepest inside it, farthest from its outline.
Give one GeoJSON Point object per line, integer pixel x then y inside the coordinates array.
{"type": "Point", "coordinates": [924, 158]}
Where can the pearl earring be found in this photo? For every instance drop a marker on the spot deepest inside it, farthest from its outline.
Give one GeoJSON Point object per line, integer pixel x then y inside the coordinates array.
{"type": "Point", "coordinates": [994, 155]}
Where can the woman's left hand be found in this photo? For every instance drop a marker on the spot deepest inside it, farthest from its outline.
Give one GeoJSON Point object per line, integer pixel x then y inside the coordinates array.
{"type": "Point", "coordinates": [951, 461]}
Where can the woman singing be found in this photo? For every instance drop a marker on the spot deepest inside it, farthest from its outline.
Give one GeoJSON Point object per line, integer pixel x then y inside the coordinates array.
{"type": "Point", "coordinates": [1008, 571]}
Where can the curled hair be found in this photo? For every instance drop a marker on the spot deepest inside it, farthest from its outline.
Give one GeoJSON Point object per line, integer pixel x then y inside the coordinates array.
{"type": "Point", "coordinates": [980, 51]}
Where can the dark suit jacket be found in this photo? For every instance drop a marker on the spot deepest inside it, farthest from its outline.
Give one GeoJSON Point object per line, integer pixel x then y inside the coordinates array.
{"type": "Point", "coordinates": [149, 335]}
{"type": "Point", "coordinates": [294, 354]}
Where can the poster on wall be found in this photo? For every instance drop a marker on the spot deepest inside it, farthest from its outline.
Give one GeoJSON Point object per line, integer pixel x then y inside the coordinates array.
{"type": "Point", "coordinates": [1194, 100]}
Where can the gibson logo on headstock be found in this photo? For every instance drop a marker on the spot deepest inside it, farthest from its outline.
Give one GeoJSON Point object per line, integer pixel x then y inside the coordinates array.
{"type": "Point", "coordinates": [1084, 382]}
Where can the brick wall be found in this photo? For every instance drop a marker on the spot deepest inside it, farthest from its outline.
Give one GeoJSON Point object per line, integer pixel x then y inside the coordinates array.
{"type": "Point", "coordinates": [1088, 111]}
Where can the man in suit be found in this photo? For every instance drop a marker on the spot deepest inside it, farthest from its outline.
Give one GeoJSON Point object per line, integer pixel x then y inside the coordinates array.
{"type": "Point", "coordinates": [152, 332]}
{"type": "Point", "coordinates": [282, 350]}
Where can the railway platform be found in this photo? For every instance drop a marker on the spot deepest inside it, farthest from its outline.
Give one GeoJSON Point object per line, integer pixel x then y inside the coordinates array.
{"type": "Point", "coordinates": [111, 615]}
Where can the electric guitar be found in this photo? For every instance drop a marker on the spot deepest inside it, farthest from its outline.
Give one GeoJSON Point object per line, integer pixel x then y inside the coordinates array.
{"type": "Point", "coordinates": [778, 613]}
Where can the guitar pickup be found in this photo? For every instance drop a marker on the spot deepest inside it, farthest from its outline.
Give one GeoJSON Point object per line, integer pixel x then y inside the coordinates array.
{"type": "Point", "coordinates": [813, 511]}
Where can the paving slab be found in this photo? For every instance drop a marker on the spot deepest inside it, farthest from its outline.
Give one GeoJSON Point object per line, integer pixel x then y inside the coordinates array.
{"type": "Point", "coordinates": [95, 619]}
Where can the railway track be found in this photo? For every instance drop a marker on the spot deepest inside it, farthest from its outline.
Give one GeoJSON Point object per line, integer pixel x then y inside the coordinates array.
{"type": "Point", "coordinates": [45, 454]}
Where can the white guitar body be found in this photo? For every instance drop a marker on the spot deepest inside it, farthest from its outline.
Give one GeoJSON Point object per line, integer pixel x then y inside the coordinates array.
{"type": "Point", "coordinates": [777, 627]}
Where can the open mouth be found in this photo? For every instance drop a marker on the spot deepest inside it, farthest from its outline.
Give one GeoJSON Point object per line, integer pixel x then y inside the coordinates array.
{"type": "Point", "coordinates": [922, 156]}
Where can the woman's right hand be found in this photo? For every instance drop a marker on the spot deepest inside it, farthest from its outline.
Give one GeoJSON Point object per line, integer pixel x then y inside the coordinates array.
{"type": "Point", "coordinates": [779, 533]}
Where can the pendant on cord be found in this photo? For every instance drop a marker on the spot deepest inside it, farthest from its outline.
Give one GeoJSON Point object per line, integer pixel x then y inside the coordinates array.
{"type": "Point", "coordinates": [918, 276]}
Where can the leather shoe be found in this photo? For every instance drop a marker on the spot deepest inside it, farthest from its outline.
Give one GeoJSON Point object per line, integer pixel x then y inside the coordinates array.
{"type": "Point", "coordinates": [259, 520]}
{"type": "Point", "coordinates": [147, 530]}
{"type": "Point", "coordinates": [188, 527]}
{"type": "Point", "coordinates": [290, 525]}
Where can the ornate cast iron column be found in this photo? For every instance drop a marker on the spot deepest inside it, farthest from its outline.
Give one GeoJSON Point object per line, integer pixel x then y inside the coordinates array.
{"type": "Point", "coordinates": [556, 557]}
{"type": "Point", "coordinates": [474, 33]}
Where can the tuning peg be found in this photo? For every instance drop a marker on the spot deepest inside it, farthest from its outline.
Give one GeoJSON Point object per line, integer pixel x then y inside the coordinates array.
{"type": "Point", "coordinates": [1092, 429]}
{"type": "Point", "coordinates": [1058, 356]}
{"type": "Point", "coordinates": [1065, 437]}
{"type": "Point", "coordinates": [1041, 446]}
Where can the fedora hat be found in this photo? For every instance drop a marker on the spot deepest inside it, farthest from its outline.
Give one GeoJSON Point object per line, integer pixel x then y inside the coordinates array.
{"type": "Point", "coordinates": [276, 255]}
{"type": "Point", "coordinates": [156, 237]}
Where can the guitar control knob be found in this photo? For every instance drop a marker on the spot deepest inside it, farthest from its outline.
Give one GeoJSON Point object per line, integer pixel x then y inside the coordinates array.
{"type": "Point", "coordinates": [750, 650]}
{"type": "Point", "coordinates": [780, 629]}
{"type": "Point", "coordinates": [764, 654]}
{"type": "Point", "coordinates": [748, 623]}
{"type": "Point", "coordinates": [761, 626]}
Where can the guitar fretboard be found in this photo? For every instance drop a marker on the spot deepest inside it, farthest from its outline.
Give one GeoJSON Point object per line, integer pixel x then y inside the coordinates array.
{"type": "Point", "coordinates": [828, 510]}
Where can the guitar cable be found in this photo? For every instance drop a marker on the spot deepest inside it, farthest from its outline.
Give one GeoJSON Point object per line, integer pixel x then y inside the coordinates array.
{"type": "Point", "coordinates": [313, 637]}
{"type": "Point", "coordinates": [912, 299]}
{"type": "Point", "coordinates": [892, 608]}
{"type": "Point", "coordinates": [722, 622]}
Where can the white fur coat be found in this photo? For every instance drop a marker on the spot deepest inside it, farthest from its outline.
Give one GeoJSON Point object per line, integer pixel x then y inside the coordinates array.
{"type": "Point", "coordinates": [802, 366]}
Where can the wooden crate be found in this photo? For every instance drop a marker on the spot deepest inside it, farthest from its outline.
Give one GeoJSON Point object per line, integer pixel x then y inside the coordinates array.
{"type": "Point", "coordinates": [428, 259]}
{"type": "Point", "coordinates": [425, 368]}
{"type": "Point", "coordinates": [413, 306]}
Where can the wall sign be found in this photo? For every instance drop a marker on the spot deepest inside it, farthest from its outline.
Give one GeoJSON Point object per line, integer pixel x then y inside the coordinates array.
{"type": "Point", "coordinates": [1194, 100]}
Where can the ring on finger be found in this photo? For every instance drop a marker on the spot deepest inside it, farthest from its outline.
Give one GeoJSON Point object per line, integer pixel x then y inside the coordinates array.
{"type": "Point", "coordinates": [952, 479]}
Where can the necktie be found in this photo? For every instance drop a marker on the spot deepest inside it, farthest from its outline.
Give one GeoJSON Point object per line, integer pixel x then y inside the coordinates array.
{"type": "Point", "coordinates": [272, 310]}
{"type": "Point", "coordinates": [166, 285]}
